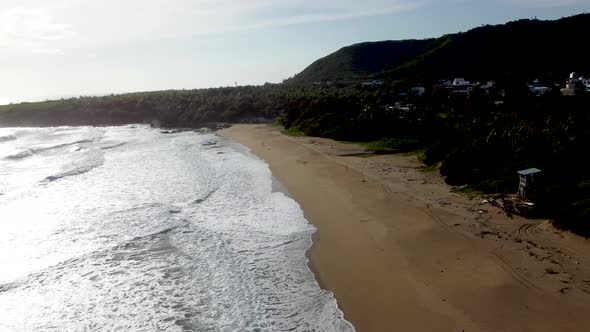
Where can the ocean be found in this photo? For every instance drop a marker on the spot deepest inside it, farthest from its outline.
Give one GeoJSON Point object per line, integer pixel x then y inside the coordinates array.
{"type": "Point", "coordinates": [134, 229]}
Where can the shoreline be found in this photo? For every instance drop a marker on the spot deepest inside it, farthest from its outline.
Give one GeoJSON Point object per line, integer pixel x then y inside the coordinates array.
{"type": "Point", "coordinates": [278, 186]}
{"type": "Point", "coordinates": [400, 252]}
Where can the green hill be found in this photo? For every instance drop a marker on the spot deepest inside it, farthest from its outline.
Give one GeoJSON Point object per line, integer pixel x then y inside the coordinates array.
{"type": "Point", "coordinates": [522, 49]}
{"type": "Point", "coordinates": [364, 60]}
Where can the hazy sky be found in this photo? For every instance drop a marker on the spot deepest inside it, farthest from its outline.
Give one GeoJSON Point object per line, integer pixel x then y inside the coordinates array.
{"type": "Point", "coordinates": [53, 48]}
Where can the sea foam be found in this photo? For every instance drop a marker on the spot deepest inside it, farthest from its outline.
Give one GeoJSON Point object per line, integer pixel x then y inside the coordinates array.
{"type": "Point", "coordinates": [146, 231]}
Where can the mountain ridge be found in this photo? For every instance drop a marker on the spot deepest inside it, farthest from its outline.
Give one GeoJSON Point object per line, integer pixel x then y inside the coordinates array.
{"type": "Point", "coordinates": [521, 49]}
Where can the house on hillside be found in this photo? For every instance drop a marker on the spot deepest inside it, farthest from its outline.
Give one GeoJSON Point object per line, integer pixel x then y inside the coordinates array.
{"type": "Point", "coordinates": [374, 83]}
{"type": "Point", "coordinates": [417, 91]}
{"type": "Point", "coordinates": [528, 183]}
{"type": "Point", "coordinates": [463, 87]}
{"type": "Point", "coordinates": [442, 85]}
{"type": "Point", "coordinates": [574, 86]}
{"type": "Point", "coordinates": [488, 88]}
{"type": "Point", "coordinates": [537, 89]}
{"type": "Point", "coordinates": [460, 82]}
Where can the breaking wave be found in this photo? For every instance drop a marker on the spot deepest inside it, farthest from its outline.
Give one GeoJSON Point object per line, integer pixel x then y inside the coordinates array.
{"type": "Point", "coordinates": [59, 146]}
{"type": "Point", "coordinates": [20, 155]}
{"type": "Point", "coordinates": [164, 234]}
{"type": "Point", "coordinates": [91, 159]}
{"type": "Point", "coordinates": [7, 138]}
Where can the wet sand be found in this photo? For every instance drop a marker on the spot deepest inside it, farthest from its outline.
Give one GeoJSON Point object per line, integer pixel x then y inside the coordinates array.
{"type": "Point", "coordinates": [403, 253]}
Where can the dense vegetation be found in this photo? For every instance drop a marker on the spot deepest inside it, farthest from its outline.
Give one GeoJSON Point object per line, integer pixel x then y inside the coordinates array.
{"type": "Point", "coordinates": [175, 108]}
{"type": "Point", "coordinates": [481, 139]}
{"type": "Point", "coordinates": [477, 141]}
{"type": "Point", "coordinates": [520, 49]}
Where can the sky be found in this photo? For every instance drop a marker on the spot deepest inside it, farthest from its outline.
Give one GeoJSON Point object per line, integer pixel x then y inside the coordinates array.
{"type": "Point", "coordinates": [62, 48]}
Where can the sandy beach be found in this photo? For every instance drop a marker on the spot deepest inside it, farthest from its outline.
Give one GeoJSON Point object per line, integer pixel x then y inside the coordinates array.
{"type": "Point", "coordinates": [403, 253]}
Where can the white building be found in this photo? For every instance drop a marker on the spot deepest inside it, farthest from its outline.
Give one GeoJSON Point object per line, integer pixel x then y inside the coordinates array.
{"type": "Point", "coordinates": [373, 83]}
{"type": "Point", "coordinates": [417, 91]}
{"type": "Point", "coordinates": [460, 81]}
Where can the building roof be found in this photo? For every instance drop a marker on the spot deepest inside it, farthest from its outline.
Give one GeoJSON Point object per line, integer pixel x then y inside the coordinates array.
{"type": "Point", "coordinates": [529, 171]}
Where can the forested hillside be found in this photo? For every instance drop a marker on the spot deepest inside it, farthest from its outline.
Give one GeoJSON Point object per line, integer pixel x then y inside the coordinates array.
{"type": "Point", "coordinates": [364, 60]}
{"type": "Point", "coordinates": [523, 49]}
{"type": "Point", "coordinates": [175, 108]}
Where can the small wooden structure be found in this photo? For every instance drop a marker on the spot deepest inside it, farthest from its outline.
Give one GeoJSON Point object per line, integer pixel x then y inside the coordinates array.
{"type": "Point", "coordinates": [527, 186]}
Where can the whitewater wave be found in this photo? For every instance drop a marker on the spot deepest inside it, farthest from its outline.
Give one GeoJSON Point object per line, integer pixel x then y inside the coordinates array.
{"type": "Point", "coordinates": [164, 234]}
{"type": "Point", "coordinates": [92, 159]}
{"type": "Point", "coordinates": [204, 198]}
{"type": "Point", "coordinates": [7, 138]}
{"type": "Point", "coordinates": [108, 147]}
{"type": "Point", "coordinates": [59, 146]}
{"type": "Point", "coordinates": [20, 155]}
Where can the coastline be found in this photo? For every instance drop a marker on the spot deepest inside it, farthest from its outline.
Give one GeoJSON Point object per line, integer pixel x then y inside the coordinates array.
{"type": "Point", "coordinates": [400, 252]}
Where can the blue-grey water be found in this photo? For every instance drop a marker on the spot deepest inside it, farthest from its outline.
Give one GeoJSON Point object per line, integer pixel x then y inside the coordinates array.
{"type": "Point", "coordinates": [130, 229]}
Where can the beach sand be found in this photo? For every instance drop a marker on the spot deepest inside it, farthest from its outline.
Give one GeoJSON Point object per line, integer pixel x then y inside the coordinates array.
{"type": "Point", "coordinates": [403, 253]}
